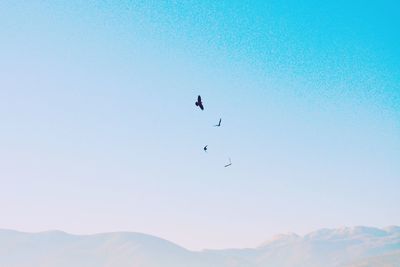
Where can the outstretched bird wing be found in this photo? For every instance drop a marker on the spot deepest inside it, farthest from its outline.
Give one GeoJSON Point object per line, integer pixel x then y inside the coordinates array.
{"type": "Point", "coordinates": [229, 164]}
{"type": "Point", "coordinates": [219, 123]}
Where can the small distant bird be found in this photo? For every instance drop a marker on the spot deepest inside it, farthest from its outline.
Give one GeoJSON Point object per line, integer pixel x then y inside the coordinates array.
{"type": "Point", "coordinates": [205, 148]}
{"type": "Point", "coordinates": [229, 164]}
{"type": "Point", "coordinates": [219, 123]}
{"type": "Point", "coordinates": [199, 103]}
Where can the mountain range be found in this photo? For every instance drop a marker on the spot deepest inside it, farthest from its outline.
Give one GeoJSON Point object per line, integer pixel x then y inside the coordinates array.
{"type": "Point", "coordinates": [344, 247]}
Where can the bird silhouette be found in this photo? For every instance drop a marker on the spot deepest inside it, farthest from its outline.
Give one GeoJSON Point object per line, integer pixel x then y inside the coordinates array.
{"type": "Point", "coordinates": [205, 148]}
{"type": "Point", "coordinates": [219, 123]}
{"type": "Point", "coordinates": [229, 164]}
{"type": "Point", "coordinates": [199, 103]}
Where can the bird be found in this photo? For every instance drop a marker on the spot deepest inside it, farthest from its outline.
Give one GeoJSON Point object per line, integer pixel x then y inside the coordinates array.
{"type": "Point", "coordinates": [219, 123]}
{"type": "Point", "coordinates": [205, 148]}
{"type": "Point", "coordinates": [229, 164]}
{"type": "Point", "coordinates": [199, 103]}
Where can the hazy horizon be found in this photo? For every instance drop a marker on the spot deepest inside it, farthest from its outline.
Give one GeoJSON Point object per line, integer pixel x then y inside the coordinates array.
{"type": "Point", "coordinates": [345, 230]}
{"type": "Point", "coordinates": [99, 131]}
{"type": "Point", "coordinates": [345, 247]}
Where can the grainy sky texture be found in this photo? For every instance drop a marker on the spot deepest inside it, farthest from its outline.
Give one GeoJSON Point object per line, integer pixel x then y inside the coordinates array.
{"type": "Point", "coordinates": [99, 131]}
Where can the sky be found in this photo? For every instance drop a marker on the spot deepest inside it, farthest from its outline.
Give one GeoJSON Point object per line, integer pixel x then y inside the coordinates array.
{"type": "Point", "coordinates": [99, 131]}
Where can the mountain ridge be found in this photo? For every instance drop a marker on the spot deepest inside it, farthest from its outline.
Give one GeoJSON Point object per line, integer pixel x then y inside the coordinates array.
{"type": "Point", "coordinates": [340, 247]}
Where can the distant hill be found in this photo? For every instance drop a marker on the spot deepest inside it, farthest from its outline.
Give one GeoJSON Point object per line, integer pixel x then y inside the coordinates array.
{"type": "Point", "coordinates": [344, 247]}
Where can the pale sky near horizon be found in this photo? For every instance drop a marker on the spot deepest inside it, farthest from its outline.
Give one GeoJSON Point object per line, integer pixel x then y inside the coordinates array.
{"type": "Point", "coordinates": [99, 131]}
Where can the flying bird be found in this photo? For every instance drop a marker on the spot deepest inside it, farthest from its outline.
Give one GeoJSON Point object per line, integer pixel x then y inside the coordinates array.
{"type": "Point", "coordinates": [199, 103]}
{"type": "Point", "coordinates": [205, 148]}
{"type": "Point", "coordinates": [229, 164]}
{"type": "Point", "coordinates": [219, 123]}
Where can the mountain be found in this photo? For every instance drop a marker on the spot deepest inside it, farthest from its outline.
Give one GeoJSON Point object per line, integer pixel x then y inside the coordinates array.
{"type": "Point", "coordinates": [330, 247]}
{"type": "Point", "coordinates": [344, 247]}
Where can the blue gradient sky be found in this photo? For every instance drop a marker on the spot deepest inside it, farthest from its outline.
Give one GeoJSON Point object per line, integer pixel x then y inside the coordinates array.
{"type": "Point", "coordinates": [99, 131]}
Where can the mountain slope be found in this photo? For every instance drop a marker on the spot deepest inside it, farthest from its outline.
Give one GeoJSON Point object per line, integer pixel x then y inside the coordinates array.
{"type": "Point", "coordinates": [345, 247]}
{"type": "Point", "coordinates": [329, 247]}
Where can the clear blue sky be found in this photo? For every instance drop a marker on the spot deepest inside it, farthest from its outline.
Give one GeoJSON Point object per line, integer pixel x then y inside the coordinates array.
{"type": "Point", "coordinates": [99, 131]}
